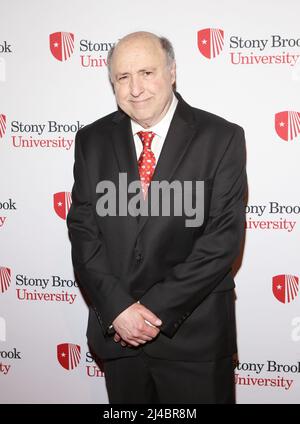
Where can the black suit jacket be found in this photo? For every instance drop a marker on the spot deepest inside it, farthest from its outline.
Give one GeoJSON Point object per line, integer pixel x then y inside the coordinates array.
{"type": "Point", "coordinates": [181, 274]}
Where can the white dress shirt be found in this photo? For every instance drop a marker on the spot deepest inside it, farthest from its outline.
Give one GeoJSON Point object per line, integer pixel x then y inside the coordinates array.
{"type": "Point", "coordinates": [160, 129]}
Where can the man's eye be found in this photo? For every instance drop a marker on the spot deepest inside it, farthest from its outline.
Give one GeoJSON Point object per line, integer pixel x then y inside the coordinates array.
{"type": "Point", "coordinates": [123, 78]}
{"type": "Point", "coordinates": [148, 73]}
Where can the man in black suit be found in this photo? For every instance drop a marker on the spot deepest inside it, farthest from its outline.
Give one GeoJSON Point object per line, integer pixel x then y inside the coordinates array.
{"type": "Point", "coordinates": [160, 292]}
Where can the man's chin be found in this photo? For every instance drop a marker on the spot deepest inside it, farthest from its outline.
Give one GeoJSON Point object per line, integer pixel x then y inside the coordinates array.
{"type": "Point", "coordinates": [143, 120]}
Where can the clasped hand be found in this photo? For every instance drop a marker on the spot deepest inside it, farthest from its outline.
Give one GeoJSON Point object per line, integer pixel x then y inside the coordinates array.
{"type": "Point", "coordinates": [136, 325]}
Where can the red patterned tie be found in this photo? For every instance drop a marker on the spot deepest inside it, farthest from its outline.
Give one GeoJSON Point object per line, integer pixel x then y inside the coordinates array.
{"type": "Point", "coordinates": [146, 162]}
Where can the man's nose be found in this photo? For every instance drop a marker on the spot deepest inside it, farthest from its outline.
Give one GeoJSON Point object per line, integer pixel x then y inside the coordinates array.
{"type": "Point", "coordinates": [136, 86]}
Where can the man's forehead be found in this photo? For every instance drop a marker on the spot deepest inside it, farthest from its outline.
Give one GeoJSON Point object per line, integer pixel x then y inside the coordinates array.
{"type": "Point", "coordinates": [137, 56]}
{"type": "Point", "coordinates": [138, 46]}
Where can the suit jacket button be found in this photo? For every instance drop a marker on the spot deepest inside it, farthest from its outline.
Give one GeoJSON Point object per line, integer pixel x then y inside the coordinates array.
{"type": "Point", "coordinates": [139, 257]}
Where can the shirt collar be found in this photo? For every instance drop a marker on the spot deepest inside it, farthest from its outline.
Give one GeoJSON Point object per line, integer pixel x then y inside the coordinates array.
{"type": "Point", "coordinates": [162, 127]}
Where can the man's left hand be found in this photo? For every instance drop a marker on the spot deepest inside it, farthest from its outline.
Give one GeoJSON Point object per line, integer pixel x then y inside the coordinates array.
{"type": "Point", "coordinates": [118, 338]}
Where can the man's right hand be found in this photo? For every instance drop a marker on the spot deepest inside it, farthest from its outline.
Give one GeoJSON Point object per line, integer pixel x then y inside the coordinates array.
{"type": "Point", "coordinates": [132, 328]}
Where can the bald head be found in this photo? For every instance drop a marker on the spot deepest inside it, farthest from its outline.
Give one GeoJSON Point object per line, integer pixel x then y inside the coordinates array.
{"type": "Point", "coordinates": [142, 71]}
{"type": "Point", "coordinates": [161, 43]}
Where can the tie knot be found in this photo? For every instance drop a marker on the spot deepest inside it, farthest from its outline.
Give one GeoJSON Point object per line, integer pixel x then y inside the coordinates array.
{"type": "Point", "coordinates": [146, 138]}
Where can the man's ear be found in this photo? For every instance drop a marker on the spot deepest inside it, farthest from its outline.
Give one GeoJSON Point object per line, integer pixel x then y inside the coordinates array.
{"type": "Point", "coordinates": [173, 73]}
{"type": "Point", "coordinates": [111, 83]}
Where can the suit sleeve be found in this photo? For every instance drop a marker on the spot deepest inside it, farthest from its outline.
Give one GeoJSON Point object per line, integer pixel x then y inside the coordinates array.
{"type": "Point", "coordinates": [103, 289]}
{"type": "Point", "coordinates": [189, 283]}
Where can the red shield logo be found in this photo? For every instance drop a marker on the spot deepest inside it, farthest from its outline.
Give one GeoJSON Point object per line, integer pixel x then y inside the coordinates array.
{"type": "Point", "coordinates": [287, 125]}
{"type": "Point", "coordinates": [285, 287]}
{"type": "Point", "coordinates": [5, 278]}
{"type": "Point", "coordinates": [61, 45]}
{"type": "Point", "coordinates": [2, 125]}
{"type": "Point", "coordinates": [62, 203]}
{"type": "Point", "coordinates": [210, 42]}
{"type": "Point", "coordinates": [68, 355]}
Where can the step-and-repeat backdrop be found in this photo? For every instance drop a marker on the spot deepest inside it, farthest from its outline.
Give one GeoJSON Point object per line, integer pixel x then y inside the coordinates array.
{"type": "Point", "coordinates": [238, 59]}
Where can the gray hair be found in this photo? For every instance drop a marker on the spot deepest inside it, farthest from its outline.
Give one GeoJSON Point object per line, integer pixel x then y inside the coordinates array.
{"type": "Point", "coordinates": [165, 44]}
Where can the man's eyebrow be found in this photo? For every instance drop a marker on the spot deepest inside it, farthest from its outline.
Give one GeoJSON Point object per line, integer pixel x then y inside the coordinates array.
{"type": "Point", "coordinates": [146, 68]}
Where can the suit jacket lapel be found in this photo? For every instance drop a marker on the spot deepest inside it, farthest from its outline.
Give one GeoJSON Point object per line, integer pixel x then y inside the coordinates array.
{"type": "Point", "coordinates": [124, 147]}
{"type": "Point", "coordinates": [123, 144]}
{"type": "Point", "coordinates": [179, 136]}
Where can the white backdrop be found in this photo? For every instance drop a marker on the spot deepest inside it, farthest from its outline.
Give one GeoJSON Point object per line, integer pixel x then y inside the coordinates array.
{"type": "Point", "coordinates": [40, 305]}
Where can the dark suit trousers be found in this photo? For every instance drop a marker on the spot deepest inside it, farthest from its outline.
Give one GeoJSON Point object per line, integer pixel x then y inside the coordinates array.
{"type": "Point", "coordinates": [144, 379]}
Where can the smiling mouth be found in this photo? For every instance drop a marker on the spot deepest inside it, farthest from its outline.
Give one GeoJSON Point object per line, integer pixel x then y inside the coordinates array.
{"type": "Point", "coordinates": [140, 101]}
